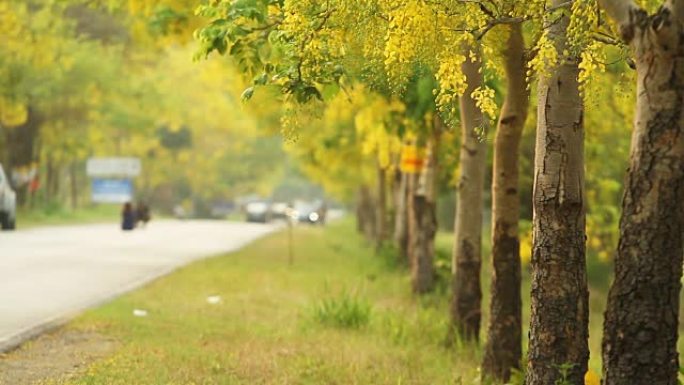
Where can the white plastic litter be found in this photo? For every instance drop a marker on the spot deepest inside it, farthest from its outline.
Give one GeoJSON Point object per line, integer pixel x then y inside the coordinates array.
{"type": "Point", "coordinates": [214, 299]}
{"type": "Point", "coordinates": [140, 313]}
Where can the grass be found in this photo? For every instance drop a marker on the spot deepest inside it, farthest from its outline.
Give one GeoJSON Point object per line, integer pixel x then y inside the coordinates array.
{"type": "Point", "coordinates": [336, 316]}
{"type": "Point", "coordinates": [58, 215]}
{"type": "Point", "coordinates": [344, 310]}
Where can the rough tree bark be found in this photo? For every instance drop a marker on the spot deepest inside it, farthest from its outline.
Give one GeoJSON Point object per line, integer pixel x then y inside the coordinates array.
{"type": "Point", "coordinates": [559, 317]}
{"type": "Point", "coordinates": [642, 317]}
{"type": "Point", "coordinates": [466, 291]}
{"type": "Point", "coordinates": [503, 350]}
{"type": "Point", "coordinates": [424, 218]}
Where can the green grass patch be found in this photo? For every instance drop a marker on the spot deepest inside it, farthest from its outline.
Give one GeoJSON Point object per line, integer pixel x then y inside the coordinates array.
{"type": "Point", "coordinates": [367, 327]}
{"type": "Point", "coordinates": [344, 310]}
{"type": "Point", "coordinates": [54, 215]}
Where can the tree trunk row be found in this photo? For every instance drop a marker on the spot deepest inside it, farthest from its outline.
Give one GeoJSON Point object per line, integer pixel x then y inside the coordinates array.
{"type": "Point", "coordinates": [640, 331]}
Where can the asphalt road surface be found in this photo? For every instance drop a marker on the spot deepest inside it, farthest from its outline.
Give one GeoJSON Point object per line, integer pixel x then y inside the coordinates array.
{"type": "Point", "coordinates": [47, 275]}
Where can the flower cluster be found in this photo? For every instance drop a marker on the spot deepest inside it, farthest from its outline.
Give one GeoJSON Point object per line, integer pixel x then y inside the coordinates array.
{"type": "Point", "coordinates": [452, 82]}
{"type": "Point", "coordinates": [484, 99]}
{"type": "Point", "coordinates": [546, 58]}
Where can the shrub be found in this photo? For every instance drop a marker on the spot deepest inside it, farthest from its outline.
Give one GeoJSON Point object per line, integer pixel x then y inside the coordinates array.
{"type": "Point", "coordinates": [344, 311]}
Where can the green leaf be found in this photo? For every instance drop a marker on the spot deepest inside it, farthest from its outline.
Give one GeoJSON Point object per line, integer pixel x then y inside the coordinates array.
{"type": "Point", "coordinates": [261, 80]}
{"type": "Point", "coordinates": [247, 94]}
{"type": "Point", "coordinates": [235, 48]}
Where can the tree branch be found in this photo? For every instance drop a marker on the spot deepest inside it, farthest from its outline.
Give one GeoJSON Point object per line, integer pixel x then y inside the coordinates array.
{"type": "Point", "coordinates": [480, 32]}
{"type": "Point", "coordinates": [498, 21]}
{"type": "Point", "coordinates": [622, 13]}
{"type": "Point", "coordinates": [556, 7]}
{"type": "Point", "coordinates": [606, 39]}
{"type": "Point", "coordinates": [677, 8]}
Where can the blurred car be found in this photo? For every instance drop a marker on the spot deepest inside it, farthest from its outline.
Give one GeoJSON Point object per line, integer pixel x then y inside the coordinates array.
{"type": "Point", "coordinates": [279, 210]}
{"type": "Point", "coordinates": [310, 212]}
{"type": "Point", "coordinates": [179, 212]}
{"type": "Point", "coordinates": [221, 209]}
{"type": "Point", "coordinates": [258, 212]}
{"type": "Point", "coordinates": [8, 203]}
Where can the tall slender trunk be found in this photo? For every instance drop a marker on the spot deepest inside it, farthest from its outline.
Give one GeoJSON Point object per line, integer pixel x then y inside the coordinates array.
{"type": "Point", "coordinates": [560, 314]}
{"type": "Point", "coordinates": [642, 317]}
{"type": "Point", "coordinates": [73, 178]}
{"type": "Point", "coordinates": [21, 146]}
{"type": "Point", "coordinates": [413, 227]}
{"type": "Point", "coordinates": [49, 176]}
{"type": "Point", "coordinates": [365, 213]}
{"type": "Point", "coordinates": [4, 155]}
{"type": "Point", "coordinates": [424, 221]}
{"type": "Point", "coordinates": [360, 225]}
{"type": "Point", "coordinates": [503, 350]}
{"type": "Point", "coordinates": [401, 218]}
{"type": "Point", "coordinates": [467, 294]}
{"type": "Point", "coordinates": [381, 209]}
{"type": "Point", "coordinates": [56, 183]}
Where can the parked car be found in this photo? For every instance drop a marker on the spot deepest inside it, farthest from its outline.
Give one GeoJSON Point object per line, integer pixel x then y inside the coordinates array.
{"type": "Point", "coordinates": [8, 203]}
{"type": "Point", "coordinates": [258, 212]}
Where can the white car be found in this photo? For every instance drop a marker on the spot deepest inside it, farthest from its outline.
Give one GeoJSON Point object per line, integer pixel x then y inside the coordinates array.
{"type": "Point", "coordinates": [8, 203]}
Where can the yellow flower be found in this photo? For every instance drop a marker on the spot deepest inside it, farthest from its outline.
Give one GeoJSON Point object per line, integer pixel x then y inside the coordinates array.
{"type": "Point", "coordinates": [526, 249]}
{"type": "Point", "coordinates": [591, 378]}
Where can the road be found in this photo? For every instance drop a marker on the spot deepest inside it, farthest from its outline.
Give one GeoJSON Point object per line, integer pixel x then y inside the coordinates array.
{"type": "Point", "coordinates": [47, 275]}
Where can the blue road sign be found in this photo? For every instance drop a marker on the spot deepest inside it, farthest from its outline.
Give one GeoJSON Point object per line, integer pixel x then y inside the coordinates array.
{"type": "Point", "coordinates": [112, 190]}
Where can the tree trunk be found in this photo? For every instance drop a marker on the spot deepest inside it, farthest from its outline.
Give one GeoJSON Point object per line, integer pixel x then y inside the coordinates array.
{"type": "Point", "coordinates": [467, 294]}
{"type": "Point", "coordinates": [73, 176]}
{"type": "Point", "coordinates": [21, 146]}
{"type": "Point", "coordinates": [381, 209]}
{"type": "Point", "coordinates": [49, 176]}
{"type": "Point", "coordinates": [360, 225]}
{"type": "Point", "coordinates": [56, 184]}
{"type": "Point", "coordinates": [365, 213]}
{"type": "Point", "coordinates": [424, 221]}
{"type": "Point", "coordinates": [503, 350]}
{"type": "Point", "coordinates": [559, 316]}
{"type": "Point", "coordinates": [401, 218]}
{"type": "Point", "coordinates": [641, 321]}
